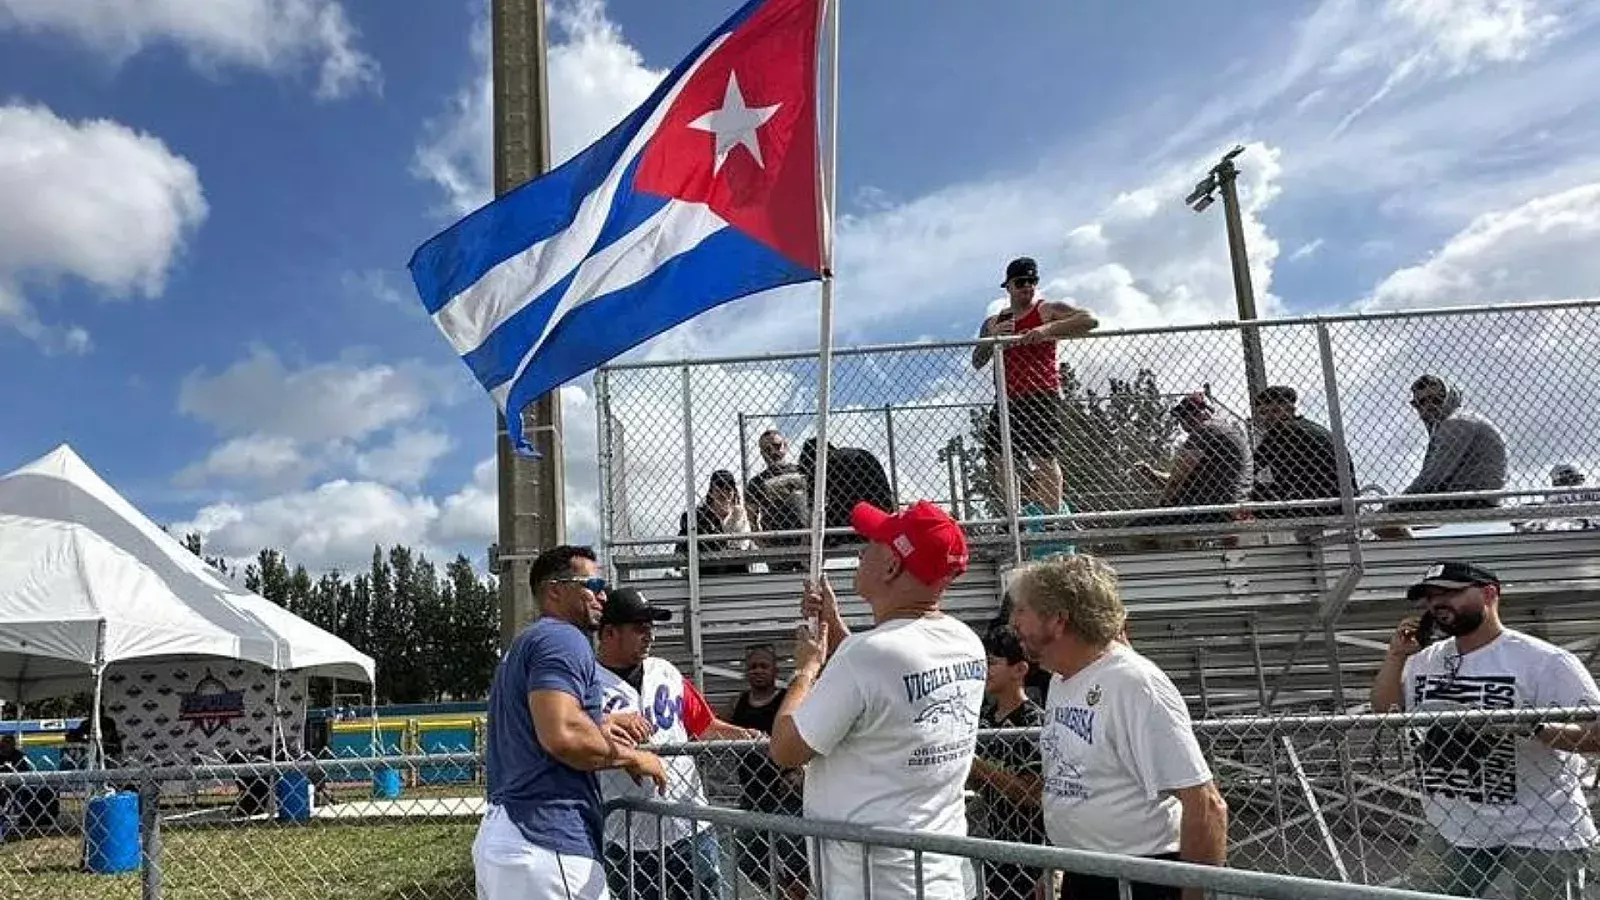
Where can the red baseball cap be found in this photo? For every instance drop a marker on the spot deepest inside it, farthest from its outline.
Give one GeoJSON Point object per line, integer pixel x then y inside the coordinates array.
{"type": "Point", "coordinates": [930, 544]}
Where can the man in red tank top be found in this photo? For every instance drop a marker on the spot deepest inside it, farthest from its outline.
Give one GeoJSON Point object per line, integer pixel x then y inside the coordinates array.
{"type": "Point", "coordinates": [1032, 379]}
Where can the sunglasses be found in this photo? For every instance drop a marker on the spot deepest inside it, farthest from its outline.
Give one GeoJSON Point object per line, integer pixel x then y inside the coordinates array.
{"type": "Point", "coordinates": [595, 583]}
{"type": "Point", "coordinates": [1025, 282]}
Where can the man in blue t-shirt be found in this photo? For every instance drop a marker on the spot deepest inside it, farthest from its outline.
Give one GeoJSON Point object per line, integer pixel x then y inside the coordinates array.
{"type": "Point", "coordinates": [541, 835]}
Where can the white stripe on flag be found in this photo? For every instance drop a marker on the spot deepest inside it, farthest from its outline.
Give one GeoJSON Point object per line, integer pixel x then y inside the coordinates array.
{"type": "Point", "coordinates": [674, 230]}
{"type": "Point", "coordinates": [471, 316]}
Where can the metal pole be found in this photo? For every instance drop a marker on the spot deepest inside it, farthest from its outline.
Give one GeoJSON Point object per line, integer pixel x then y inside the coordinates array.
{"type": "Point", "coordinates": [150, 840]}
{"type": "Point", "coordinates": [826, 200]}
{"type": "Point", "coordinates": [1341, 453]}
{"type": "Point", "coordinates": [602, 425]}
{"type": "Point", "coordinates": [1007, 473]}
{"type": "Point", "coordinates": [744, 465]}
{"type": "Point", "coordinates": [531, 497]}
{"type": "Point", "coordinates": [894, 470]}
{"type": "Point", "coordinates": [950, 464]}
{"type": "Point", "coordinates": [691, 521]}
{"type": "Point", "coordinates": [97, 752]}
{"type": "Point", "coordinates": [1255, 366]}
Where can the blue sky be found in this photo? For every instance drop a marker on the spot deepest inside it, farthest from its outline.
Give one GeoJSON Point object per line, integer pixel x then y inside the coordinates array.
{"type": "Point", "coordinates": [210, 207]}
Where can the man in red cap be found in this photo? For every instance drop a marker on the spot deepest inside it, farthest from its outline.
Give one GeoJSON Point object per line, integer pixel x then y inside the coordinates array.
{"type": "Point", "coordinates": [889, 726]}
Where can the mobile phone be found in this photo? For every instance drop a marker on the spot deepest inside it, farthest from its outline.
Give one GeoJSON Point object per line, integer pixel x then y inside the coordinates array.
{"type": "Point", "coordinates": [1427, 630]}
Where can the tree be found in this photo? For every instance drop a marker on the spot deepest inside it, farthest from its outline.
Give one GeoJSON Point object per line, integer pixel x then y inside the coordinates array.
{"type": "Point", "coordinates": [195, 544]}
{"type": "Point", "coordinates": [431, 637]}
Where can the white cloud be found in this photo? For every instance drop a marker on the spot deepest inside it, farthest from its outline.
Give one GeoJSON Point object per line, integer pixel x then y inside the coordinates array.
{"type": "Point", "coordinates": [1306, 250]}
{"type": "Point", "coordinates": [378, 285]}
{"type": "Point", "coordinates": [277, 36]}
{"type": "Point", "coordinates": [471, 515]}
{"type": "Point", "coordinates": [1541, 250]}
{"type": "Point", "coordinates": [253, 457]}
{"type": "Point", "coordinates": [1417, 40]}
{"type": "Point", "coordinates": [595, 78]}
{"type": "Point", "coordinates": [320, 402]}
{"type": "Point", "coordinates": [406, 459]}
{"type": "Point", "coordinates": [336, 525]}
{"type": "Point", "coordinates": [94, 201]}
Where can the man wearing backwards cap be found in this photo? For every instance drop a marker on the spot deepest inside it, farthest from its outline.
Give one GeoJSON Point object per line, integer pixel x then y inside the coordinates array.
{"type": "Point", "coordinates": [889, 726]}
{"type": "Point", "coordinates": [1032, 377]}
{"type": "Point", "coordinates": [651, 691]}
{"type": "Point", "coordinates": [1499, 798]}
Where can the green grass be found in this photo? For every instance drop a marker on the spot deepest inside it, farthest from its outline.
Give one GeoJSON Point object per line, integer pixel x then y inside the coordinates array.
{"type": "Point", "coordinates": [391, 860]}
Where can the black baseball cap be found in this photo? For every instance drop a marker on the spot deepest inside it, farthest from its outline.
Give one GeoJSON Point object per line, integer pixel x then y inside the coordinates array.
{"type": "Point", "coordinates": [1278, 393]}
{"type": "Point", "coordinates": [628, 606]}
{"type": "Point", "coordinates": [1021, 267]}
{"type": "Point", "coordinates": [1191, 405]}
{"type": "Point", "coordinates": [1452, 576]}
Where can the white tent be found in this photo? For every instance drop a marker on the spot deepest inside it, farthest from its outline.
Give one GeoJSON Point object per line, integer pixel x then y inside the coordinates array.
{"type": "Point", "coordinates": [86, 580]}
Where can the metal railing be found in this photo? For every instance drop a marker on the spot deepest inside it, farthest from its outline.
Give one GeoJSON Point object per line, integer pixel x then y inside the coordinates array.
{"type": "Point", "coordinates": [917, 421]}
{"type": "Point", "coordinates": [1320, 806]}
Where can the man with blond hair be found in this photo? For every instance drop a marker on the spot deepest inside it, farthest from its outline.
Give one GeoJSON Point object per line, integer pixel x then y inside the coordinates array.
{"type": "Point", "coordinates": [1122, 770]}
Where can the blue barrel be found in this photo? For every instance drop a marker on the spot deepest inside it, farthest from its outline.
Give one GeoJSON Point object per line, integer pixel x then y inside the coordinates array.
{"type": "Point", "coordinates": [111, 833]}
{"type": "Point", "coordinates": [386, 784]}
{"type": "Point", "coordinates": [293, 793]}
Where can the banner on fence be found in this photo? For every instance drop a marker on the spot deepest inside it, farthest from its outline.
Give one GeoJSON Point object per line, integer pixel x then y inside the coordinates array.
{"type": "Point", "coordinates": [204, 709]}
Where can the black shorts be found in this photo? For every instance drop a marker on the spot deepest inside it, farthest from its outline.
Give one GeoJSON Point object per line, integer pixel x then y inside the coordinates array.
{"type": "Point", "coordinates": [1037, 426]}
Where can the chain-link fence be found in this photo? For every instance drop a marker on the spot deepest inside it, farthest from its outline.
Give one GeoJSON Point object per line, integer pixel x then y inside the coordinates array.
{"type": "Point", "coordinates": [1139, 437]}
{"type": "Point", "coordinates": [1459, 802]}
{"type": "Point", "coordinates": [390, 828]}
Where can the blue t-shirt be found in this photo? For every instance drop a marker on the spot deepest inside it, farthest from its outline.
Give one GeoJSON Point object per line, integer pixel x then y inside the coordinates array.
{"type": "Point", "coordinates": [554, 805]}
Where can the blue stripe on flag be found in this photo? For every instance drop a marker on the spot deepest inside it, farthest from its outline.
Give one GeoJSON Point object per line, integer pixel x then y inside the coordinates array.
{"type": "Point", "coordinates": [460, 256]}
{"type": "Point", "coordinates": [629, 208]}
{"type": "Point", "coordinates": [494, 361]}
{"type": "Point", "coordinates": [456, 258]}
{"type": "Point", "coordinates": [725, 266]}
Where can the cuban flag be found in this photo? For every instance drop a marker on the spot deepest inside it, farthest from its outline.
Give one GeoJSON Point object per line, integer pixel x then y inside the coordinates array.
{"type": "Point", "coordinates": [708, 192]}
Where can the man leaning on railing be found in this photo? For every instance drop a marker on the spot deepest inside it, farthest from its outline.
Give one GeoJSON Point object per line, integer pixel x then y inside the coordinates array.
{"type": "Point", "coordinates": [540, 838]}
{"type": "Point", "coordinates": [1500, 798]}
{"type": "Point", "coordinates": [889, 726]}
{"type": "Point", "coordinates": [1466, 453]}
{"type": "Point", "coordinates": [1122, 771]}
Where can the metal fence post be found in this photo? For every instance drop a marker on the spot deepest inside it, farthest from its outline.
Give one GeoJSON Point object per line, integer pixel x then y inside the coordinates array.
{"type": "Point", "coordinates": [691, 622]}
{"type": "Point", "coordinates": [1341, 453]}
{"type": "Point", "coordinates": [894, 469]}
{"type": "Point", "coordinates": [1007, 473]}
{"type": "Point", "coordinates": [150, 839]}
{"type": "Point", "coordinates": [602, 423]}
{"type": "Point", "coordinates": [744, 460]}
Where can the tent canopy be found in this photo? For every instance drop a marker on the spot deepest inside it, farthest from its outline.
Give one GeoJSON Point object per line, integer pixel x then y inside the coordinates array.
{"type": "Point", "coordinates": [85, 578]}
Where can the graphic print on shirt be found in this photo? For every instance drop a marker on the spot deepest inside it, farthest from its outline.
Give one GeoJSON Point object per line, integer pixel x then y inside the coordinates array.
{"type": "Point", "coordinates": [1460, 760]}
{"type": "Point", "coordinates": [1065, 726]}
{"type": "Point", "coordinates": [945, 702]}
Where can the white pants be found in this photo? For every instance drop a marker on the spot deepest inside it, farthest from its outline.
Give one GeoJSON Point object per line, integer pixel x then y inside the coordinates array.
{"type": "Point", "coordinates": [509, 868]}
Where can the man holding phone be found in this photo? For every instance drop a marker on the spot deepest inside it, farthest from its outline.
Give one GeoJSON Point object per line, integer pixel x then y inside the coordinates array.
{"type": "Point", "coordinates": [1499, 798]}
{"type": "Point", "coordinates": [1032, 376]}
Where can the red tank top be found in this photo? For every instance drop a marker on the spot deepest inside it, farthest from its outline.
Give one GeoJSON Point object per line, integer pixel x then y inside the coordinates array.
{"type": "Point", "coordinates": [1031, 368]}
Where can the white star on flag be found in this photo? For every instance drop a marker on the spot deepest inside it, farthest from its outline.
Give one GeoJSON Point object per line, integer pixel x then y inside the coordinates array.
{"type": "Point", "coordinates": [735, 124]}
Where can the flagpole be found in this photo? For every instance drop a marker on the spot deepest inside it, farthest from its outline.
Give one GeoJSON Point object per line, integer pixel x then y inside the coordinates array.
{"type": "Point", "coordinates": [828, 198]}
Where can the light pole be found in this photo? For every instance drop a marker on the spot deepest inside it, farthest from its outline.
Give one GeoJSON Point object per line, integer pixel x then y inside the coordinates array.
{"type": "Point", "coordinates": [530, 490]}
{"type": "Point", "coordinates": [1225, 175]}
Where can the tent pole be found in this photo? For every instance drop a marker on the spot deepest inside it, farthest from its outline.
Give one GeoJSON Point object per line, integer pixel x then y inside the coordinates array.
{"type": "Point", "coordinates": [96, 748]}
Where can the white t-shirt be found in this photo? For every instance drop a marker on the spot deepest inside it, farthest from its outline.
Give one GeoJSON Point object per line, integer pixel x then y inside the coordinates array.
{"type": "Point", "coordinates": [1491, 790]}
{"type": "Point", "coordinates": [1116, 742]}
{"type": "Point", "coordinates": [663, 684]}
{"type": "Point", "coordinates": [894, 722]}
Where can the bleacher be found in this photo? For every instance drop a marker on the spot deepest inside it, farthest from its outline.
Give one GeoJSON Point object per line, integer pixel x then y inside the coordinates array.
{"type": "Point", "coordinates": [1268, 615]}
